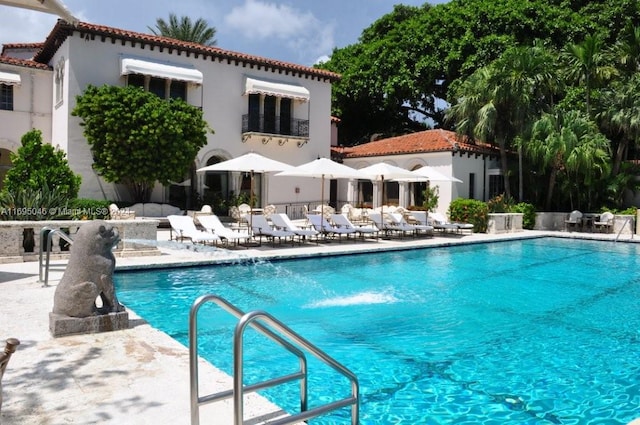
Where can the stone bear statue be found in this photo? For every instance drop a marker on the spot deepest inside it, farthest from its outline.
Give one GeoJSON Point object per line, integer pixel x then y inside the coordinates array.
{"type": "Point", "coordinates": [89, 273]}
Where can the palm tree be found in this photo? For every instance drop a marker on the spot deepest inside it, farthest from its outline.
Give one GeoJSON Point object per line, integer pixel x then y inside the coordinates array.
{"type": "Point", "coordinates": [499, 102]}
{"type": "Point", "coordinates": [184, 29]}
{"type": "Point", "coordinates": [587, 63]}
{"type": "Point", "coordinates": [621, 113]}
{"type": "Point", "coordinates": [627, 50]}
{"type": "Point", "coordinates": [570, 144]}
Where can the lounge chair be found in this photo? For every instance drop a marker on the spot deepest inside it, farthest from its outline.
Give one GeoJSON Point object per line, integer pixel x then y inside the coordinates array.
{"type": "Point", "coordinates": [379, 222]}
{"type": "Point", "coordinates": [342, 221]}
{"type": "Point", "coordinates": [261, 228]}
{"type": "Point", "coordinates": [440, 222]}
{"type": "Point", "coordinates": [185, 228]}
{"type": "Point", "coordinates": [282, 222]}
{"type": "Point", "coordinates": [604, 223]}
{"type": "Point", "coordinates": [323, 226]}
{"type": "Point", "coordinates": [213, 224]}
{"type": "Point", "coordinates": [398, 221]}
{"type": "Point", "coordinates": [574, 221]}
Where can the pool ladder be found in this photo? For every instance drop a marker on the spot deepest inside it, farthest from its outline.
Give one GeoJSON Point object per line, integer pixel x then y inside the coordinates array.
{"type": "Point", "coordinates": [263, 323]}
{"type": "Point", "coordinates": [43, 269]}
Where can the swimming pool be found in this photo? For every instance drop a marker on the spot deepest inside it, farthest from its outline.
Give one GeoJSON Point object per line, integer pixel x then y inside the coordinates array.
{"type": "Point", "coordinates": [524, 332]}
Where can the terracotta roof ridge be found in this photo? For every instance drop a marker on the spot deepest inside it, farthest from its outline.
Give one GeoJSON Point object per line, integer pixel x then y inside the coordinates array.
{"type": "Point", "coordinates": [64, 29]}
{"type": "Point", "coordinates": [9, 60]}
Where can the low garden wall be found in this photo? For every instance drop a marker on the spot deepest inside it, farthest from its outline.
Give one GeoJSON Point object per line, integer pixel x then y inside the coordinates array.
{"type": "Point", "coordinates": [21, 240]}
{"type": "Point", "coordinates": [623, 224]}
{"type": "Point", "coordinates": [504, 223]}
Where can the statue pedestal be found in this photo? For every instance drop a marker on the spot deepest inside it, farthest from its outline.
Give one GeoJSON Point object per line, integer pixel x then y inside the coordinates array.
{"type": "Point", "coordinates": [61, 325]}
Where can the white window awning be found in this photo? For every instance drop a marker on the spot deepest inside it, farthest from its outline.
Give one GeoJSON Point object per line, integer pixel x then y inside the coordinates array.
{"type": "Point", "coordinates": [10, 78]}
{"type": "Point", "coordinates": [160, 70]}
{"type": "Point", "coordinates": [255, 86]}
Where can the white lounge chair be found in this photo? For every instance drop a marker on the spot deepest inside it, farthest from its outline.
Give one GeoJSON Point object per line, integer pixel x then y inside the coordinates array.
{"type": "Point", "coordinates": [185, 228]}
{"type": "Point", "coordinates": [342, 221]}
{"type": "Point", "coordinates": [282, 222]}
{"type": "Point", "coordinates": [441, 223]}
{"type": "Point", "coordinates": [397, 220]}
{"type": "Point", "coordinates": [323, 226]}
{"type": "Point", "coordinates": [213, 224]}
{"type": "Point", "coordinates": [261, 228]}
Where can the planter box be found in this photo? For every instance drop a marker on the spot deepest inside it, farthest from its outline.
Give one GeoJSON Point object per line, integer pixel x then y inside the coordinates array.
{"type": "Point", "coordinates": [504, 223]}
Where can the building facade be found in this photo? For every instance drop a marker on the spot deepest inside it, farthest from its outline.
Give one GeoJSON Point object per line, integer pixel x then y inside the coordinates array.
{"type": "Point", "coordinates": [476, 165]}
{"type": "Point", "coordinates": [253, 104]}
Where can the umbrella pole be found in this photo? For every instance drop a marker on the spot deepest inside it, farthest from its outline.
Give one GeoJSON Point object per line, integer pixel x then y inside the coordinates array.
{"type": "Point", "coordinates": [322, 205]}
{"type": "Point", "coordinates": [251, 203]}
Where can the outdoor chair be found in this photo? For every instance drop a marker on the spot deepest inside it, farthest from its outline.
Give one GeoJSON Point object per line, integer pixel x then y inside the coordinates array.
{"type": "Point", "coordinates": [185, 228]}
{"type": "Point", "coordinates": [323, 226]}
{"type": "Point", "coordinates": [574, 221]}
{"type": "Point", "coordinates": [397, 221]}
{"type": "Point", "coordinates": [440, 222]}
{"type": "Point", "coordinates": [282, 221]}
{"type": "Point", "coordinates": [212, 224]}
{"type": "Point", "coordinates": [604, 223]}
{"type": "Point", "coordinates": [342, 221]}
{"type": "Point", "coordinates": [260, 228]}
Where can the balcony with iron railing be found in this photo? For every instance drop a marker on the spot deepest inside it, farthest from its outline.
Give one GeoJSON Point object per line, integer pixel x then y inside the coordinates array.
{"type": "Point", "coordinates": [266, 129]}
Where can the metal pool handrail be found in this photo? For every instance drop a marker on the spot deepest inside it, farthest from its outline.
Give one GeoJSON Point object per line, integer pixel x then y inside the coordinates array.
{"type": "Point", "coordinates": [627, 220]}
{"type": "Point", "coordinates": [252, 319]}
{"type": "Point", "coordinates": [52, 232]}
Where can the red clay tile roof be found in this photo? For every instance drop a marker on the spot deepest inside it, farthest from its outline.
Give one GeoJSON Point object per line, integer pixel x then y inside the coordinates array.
{"type": "Point", "coordinates": [63, 29]}
{"type": "Point", "coordinates": [16, 46]}
{"type": "Point", "coordinates": [422, 142]}
{"type": "Point", "coordinates": [23, 62]}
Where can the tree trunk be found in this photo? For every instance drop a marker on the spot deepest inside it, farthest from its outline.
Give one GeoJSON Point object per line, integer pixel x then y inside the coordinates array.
{"type": "Point", "coordinates": [617, 162]}
{"type": "Point", "coordinates": [552, 184]}
{"type": "Point", "coordinates": [505, 168]}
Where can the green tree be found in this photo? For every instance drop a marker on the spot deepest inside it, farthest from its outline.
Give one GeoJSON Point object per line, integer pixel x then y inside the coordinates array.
{"type": "Point", "coordinates": [136, 138]}
{"type": "Point", "coordinates": [37, 164]}
{"type": "Point", "coordinates": [621, 114]}
{"type": "Point", "coordinates": [569, 145]}
{"type": "Point", "coordinates": [588, 64]}
{"type": "Point", "coordinates": [185, 29]}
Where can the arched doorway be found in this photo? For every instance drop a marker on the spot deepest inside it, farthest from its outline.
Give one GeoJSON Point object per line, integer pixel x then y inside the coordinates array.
{"type": "Point", "coordinates": [216, 187]}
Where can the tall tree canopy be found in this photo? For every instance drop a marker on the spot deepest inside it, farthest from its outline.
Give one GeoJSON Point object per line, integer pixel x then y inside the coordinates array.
{"type": "Point", "coordinates": [137, 138]}
{"type": "Point", "coordinates": [185, 29]}
{"type": "Point", "coordinates": [408, 59]}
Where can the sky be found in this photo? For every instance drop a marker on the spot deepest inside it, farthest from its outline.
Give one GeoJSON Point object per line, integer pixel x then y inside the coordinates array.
{"type": "Point", "coordinates": [301, 32]}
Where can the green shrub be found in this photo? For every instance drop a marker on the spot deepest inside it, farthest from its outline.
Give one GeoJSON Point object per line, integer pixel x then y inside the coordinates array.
{"type": "Point", "coordinates": [500, 204]}
{"type": "Point", "coordinates": [529, 214]}
{"type": "Point", "coordinates": [33, 204]}
{"type": "Point", "coordinates": [470, 211]}
{"type": "Point", "coordinates": [36, 164]}
{"type": "Point", "coordinates": [88, 209]}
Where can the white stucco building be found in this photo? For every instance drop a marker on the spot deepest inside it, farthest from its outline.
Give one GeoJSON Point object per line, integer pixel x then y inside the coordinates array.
{"type": "Point", "coordinates": [277, 109]}
{"type": "Point", "coordinates": [476, 165]}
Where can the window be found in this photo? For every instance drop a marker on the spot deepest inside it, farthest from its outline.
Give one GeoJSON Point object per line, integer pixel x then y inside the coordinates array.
{"type": "Point", "coordinates": [58, 75]}
{"type": "Point", "coordinates": [472, 185]}
{"type": "Point", "coordinates": [496, 185]}
{"type": "Point", "coordinates": [6, 97]}
{"type": "Point", "coordinates": [161, 87]}
{"type": "Point", "coordinates": [254, 112]}
{"type": "Point", "coordinates": [285, 116]}
{"type": "Point", "coordinates": [270, 114]}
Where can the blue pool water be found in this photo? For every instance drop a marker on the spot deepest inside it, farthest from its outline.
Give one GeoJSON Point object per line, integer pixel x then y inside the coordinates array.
{"type": "Point", "coordinates": [540, 331]}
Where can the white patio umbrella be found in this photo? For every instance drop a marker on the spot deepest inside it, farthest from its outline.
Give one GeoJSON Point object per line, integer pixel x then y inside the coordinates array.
{"type": "Point", "coordinates": [431, 174]}
{"type": "Point", "coordinates": [248, 163]}
{"type": "Point", "coordinates": [323, 168]}
{"type": "Point", "coordinates": [55, 7]}
{"type": "Point", "coordinates": [383, 171]}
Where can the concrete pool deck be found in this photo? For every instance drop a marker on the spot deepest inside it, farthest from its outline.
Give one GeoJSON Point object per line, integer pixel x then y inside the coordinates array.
{"type": "Point", "coordinates": [140, 375]}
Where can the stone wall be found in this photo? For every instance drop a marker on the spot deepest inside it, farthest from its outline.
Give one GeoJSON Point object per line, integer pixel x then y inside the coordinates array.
{"type": "Point", "coordinates": [21, 240]}
{"type": "Point", "coordinates": [504, 223]}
